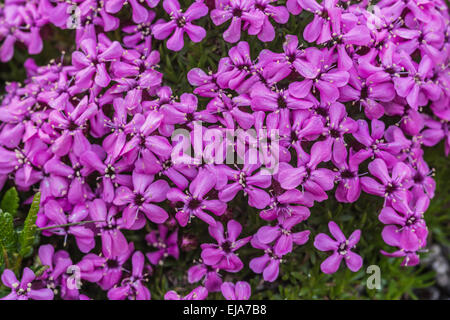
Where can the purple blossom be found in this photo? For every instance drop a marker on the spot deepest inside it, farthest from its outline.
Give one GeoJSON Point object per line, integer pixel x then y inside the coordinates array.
{"type": "Point", "coordinates": [243, 17]}
{"type": "Point", "coordinates": [136, 75]}
{"type": "Point", "coordinates": [341, 248]}
{"type": "Point", "coordinates": [20, 23]}
{"type": "Point", "coordinates": [349, 184]}
{"type": "Point", "coordinates": [109, 170]}
{"type": "Point", "coordinates": [99, 134]}
{"type": "Point", "coordinates": [181, 23]}
{"type": "Point", "coordinates": [108, 225]}
{"type": "Point", "coordinates": [319, 74]}
{"type": "Point", "coordinates": [268, 264]}
{"type": "Point", "coordinates": [314, 180]}
{"type": "Point", "coordinates": [23, 289]}
{"type": "Point", "coordinates": [370, 92]}
{"type": "Point", "coordinates": [66, 180]}
{"type": "Point", "coordinates": [132, 288]}
{"type": "Point", "coordinates": [57, 263]}
{"type": "Point", "coordinates": [165, 244]}
{"type": "Point", "coordinates": [238, 67]}
{"type": "Point", "coordinates": [199, 293]}
{"type": "Point", "coordinates": [194, 203]}
{"type": "Point", "coordinates": [91, 62]}
{"type": "Point", "coordinates": [282, 235]}
{"type": "Point", "coordinates": [416, 86]}
{"type": "Point", "coordinates": [106, 271]}
{"type": "Point", "coordinates": [326, 16]}
{"type": "Point", "coordinates": [185, 111]}
{"type": "Point", "coordinates": [391, 187]}
{"type": "Point", "coordinates": [252, 185]}
{"type": "Point", "coordinates": [55, 214]}
{"type": "Point", "coordinates": [223, 254]}
{"type": "Point", "coordinates": [406, 226]}
{"type": "Point", "coordinates": [140, 14]}
{"type": "Point", "coordinates": [209, 276]}
{"type": "Point", "coordinates": [71, 122]}
{"type": "Point", "coordinates": [285, 204]}
{"type": "Point", "coordinates": [239, 291]}
{"type": "Point", "coordinates": [141, 200]}
{"type": "Point", "coordinates": [278, 13]}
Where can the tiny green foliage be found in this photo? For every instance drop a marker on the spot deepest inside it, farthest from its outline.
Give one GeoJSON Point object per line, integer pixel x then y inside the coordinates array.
{"type": "Point", "coordinates": [8, 236]}
{"type": "Point", "coordinates": [10, 201]}
{"type": "Point", "coordinates": [29, 231]}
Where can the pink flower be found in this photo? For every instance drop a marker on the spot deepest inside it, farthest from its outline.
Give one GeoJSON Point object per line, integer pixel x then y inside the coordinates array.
{"type": "Point", "coordinates": [243, 16]}
{"type": "Point", "coordinates": [165, 244]}
{"type": "Point", "coordinates": [23, 289]}
{"type": "Point", "coordinates": [209, 276]}
{"type": "Point", "coordinates": [223, 254]}
{"type": "Point", "coordinates": [268, 264]}
{"type": "Point", "coordinates": [141, 199]}
{"type": "Point", "coordinates": [199, 293]}
{"type": "Point", "coordinates": [282, 235]}
{"type": "Point", "coordinates": [391, 187]}
{"type": "Point", "coordinates": [194, 203]}
{"type": "Point", "coordinates": [180, 23]}
{"type": "Point", "coordinates": [132, 287]}
{"type": "Point", "coordinates": [406, 226]}
{"type": "Point", "coordinates": [239, 291]}
{"type": "Point", "coordinates": [341, 248]}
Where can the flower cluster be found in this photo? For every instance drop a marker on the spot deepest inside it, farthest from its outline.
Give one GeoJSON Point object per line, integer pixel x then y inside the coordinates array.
{"type": "Point", "coordinates": [20, 21]}
{"type": "Point", "coordinates": [98, 136]}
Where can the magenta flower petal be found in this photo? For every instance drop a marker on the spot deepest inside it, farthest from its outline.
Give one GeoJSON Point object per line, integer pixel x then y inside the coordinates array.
{"type": "Point", "coordinates": [323, 242]}
{"type": "Point", "coordinates": [331, 264]}
{"type": "Point", "coordinates": [354, 261]}
{"type": "Point", "coordinates": [270, 273]}
{"type": "Point", "coordinates": [195, 33]}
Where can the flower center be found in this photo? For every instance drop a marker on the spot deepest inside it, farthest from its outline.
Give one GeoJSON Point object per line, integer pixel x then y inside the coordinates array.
{"type": "Point", "coordinates": [226, 246]}
{"type": "Point", "coordinates": [390, 188]}
{"type": "Point", "coordinates": [347, 174]}
{"type": "Point", "coordinates": [194, 204]}
{"type": "Point", "coordinates": [72, 126]}
{"type": "Point", "coordinates": [364, 93]}
{"type": "Point", "coordinates": [281, 102]}
{"type": "Point", "coordinates": [242, 181]}
{"type": "Point", "coordinates": [321, 111]}
{"type": "Point", "coordinates": [334, 133]}
{"type": "Point", "coordinates": [343, 248]}
{"type": "Point", "coordinates": [237, 12]}
{"type": "Point", "coordinates": [110, 171]}
{"type": "Point", "coordinates": [411, 221]}
{"type": "Point", "coordinates": [181, 22]}
{"type": "Point", "coordinates": [167, 164]}
{"type": "Point", "coordinates": [112, 264]}
{"type": "Point", "coordinates": [139, 199]}
{"type": "Point", "coordinates": [418, 178]}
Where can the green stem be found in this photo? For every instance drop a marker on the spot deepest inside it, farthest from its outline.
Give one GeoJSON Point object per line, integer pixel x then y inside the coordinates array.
{"type": "Point", "coordinates": [69, 224]}
{"type": "Point", "coordinates": [17, 266]}
{"type": "Point", "coordinates": [5, 257]}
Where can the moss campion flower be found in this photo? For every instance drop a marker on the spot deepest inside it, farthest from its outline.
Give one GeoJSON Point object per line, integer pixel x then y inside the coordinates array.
{"type": "Point", "coordinates": [341, 249]}
{"type": "Point", "coordinates": [180, 23]}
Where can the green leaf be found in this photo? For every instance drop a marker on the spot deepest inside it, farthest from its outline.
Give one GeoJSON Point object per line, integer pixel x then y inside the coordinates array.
{"type": "Point", "coordinates": [2, 262]}
{"type": "Point", "coordinates": [29, 230]}
{"type": "Point", "coordinates": [8, 237]}
{"type": "Point", "coordinates": [10, 201]}
{"type": "Point", "coordinates": [40, 270]}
